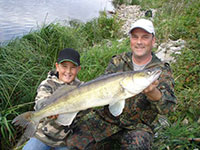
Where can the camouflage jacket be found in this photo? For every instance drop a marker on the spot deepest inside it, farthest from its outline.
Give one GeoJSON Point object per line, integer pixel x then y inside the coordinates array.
{"type": "Point", "coordinates": [139, 111]}
{"type": "Point", "coordinates": [50, 132]}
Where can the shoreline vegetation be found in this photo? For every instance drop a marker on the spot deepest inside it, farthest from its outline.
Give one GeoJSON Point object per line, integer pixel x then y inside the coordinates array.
{"type": "Point", "coordinates": [25, 61]}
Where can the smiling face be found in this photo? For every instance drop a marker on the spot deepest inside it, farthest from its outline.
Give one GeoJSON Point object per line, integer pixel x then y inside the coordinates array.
{"type": "Point", "coordinates": [67, 71]}
{"type": "Point", "coordinates": [141, 43]}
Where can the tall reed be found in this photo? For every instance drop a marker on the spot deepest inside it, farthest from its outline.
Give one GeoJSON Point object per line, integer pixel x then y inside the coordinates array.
{"type": "Point", "coordinates": [25, 61]}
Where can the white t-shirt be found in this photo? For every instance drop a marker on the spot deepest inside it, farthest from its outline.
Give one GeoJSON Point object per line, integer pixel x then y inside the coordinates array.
{"type": "Point", "coordinates": [139, 67]}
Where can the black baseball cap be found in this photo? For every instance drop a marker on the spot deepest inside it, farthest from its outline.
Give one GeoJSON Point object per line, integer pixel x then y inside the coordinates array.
{"type": "Point", "coordinates": [69, 54]}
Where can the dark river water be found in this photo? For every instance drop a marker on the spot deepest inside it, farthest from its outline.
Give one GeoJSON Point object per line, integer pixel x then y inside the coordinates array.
{"type": "Point", "coordinates": [18, 17]}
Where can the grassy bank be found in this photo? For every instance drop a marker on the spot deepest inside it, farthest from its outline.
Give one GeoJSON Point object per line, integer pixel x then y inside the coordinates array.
{"type": "Point", "coordinates": [25, 62]}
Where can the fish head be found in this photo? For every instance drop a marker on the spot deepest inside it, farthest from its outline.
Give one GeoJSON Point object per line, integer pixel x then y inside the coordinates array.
{"type": "Point", "coordinates": [137, 81]}
{"type": "Point", "coordinates": [146, 77]}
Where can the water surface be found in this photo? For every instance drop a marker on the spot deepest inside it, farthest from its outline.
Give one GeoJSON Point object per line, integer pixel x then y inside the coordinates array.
{"type": "Point", "coordinates": [18, 17]}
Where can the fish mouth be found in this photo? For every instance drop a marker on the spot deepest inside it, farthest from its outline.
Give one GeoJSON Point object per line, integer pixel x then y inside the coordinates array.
{"type": "Point", "coordinates": [157, 73]}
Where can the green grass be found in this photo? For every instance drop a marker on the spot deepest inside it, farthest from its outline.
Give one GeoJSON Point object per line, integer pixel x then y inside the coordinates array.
{"type": "Point", "coordinates": [24, 63]}
{"type": "Point", "coordinates": [95, 59]}
{"type": "Point", "coordinates": [177, 137]}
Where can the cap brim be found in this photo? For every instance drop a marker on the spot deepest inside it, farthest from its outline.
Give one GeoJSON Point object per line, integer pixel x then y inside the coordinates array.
{"type": "Point", "coordinates": [140, 28]}
{"type": "Point", "coordinates": [69, 61]}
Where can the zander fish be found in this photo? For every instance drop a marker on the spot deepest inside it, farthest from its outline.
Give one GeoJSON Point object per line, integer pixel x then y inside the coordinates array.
{"type": "Point", "coordinates": [110, 90]}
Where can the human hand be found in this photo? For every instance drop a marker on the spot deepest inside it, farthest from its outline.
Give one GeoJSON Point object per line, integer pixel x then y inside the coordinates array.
{"type": "Point", "coordinates": [53, 117]}
{"type": "Point", "coordinates": [151, 87]}
{"type": "Point", "coordinates": [152, 92]}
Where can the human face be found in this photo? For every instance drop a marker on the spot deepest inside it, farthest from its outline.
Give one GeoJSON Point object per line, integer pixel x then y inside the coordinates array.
{"type": "Point", "coordinates": [141, 43]}
{"type": "Point", "coordinates": [67, 71]}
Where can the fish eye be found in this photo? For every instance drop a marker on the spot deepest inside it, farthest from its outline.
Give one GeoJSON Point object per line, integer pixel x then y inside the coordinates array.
{"type": "Point", "coordinates": [148, 72]}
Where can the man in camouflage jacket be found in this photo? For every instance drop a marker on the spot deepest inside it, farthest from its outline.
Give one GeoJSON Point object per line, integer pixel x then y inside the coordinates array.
{"type": "Point", "coordinates": [50, 134]}
{"type": "Point", "coordinates": [133, 129]}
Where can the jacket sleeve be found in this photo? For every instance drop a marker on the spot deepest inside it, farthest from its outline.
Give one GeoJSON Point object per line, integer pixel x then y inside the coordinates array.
{"type": "Point", "coordinates": [166, 86]}
{"type": "Point", "coordinates": [115, 65]}
{"type": "Point", "coordinates": [44, 91]}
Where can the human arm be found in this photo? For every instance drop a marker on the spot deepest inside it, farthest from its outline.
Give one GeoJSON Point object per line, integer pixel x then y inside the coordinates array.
{"type": "Point", "coordinates": [167, 100]}
{"type": "Point", "coordinates": [44, 91]}
{"type": "Point", "coordinates": [119, 63]}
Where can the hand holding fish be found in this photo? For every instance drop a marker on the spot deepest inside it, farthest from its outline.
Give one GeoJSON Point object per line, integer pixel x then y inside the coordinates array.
{"type": "Point", "coordinates": [152, 92]}
{"type": "Point", "coordinates": [53, 117]}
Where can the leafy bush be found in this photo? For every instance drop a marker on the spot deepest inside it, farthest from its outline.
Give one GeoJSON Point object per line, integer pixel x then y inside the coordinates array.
{"type": "Point", "coordinates": [101, 28]}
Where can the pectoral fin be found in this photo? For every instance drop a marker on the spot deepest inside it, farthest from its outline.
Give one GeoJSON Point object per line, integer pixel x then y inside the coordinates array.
{"type": "Point", "coordinates": [66, 119]}
{"type": "Point", "coordinates": [117, 108]}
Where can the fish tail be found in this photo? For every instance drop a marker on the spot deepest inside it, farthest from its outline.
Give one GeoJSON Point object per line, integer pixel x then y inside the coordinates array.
{"type": "Point", "coordinates": [25, 120]}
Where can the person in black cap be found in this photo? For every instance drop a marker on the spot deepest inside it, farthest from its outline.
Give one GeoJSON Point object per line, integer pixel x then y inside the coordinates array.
{"type": "Point", "coordinates": [51, 133]}
{"type": "Point", "coordinates": [68, 65]}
